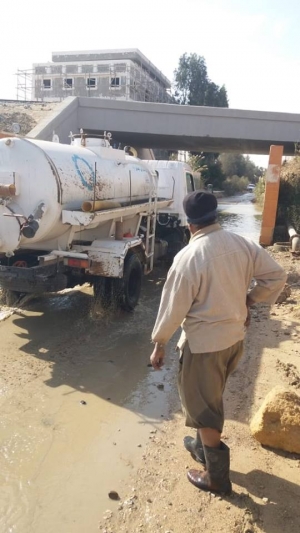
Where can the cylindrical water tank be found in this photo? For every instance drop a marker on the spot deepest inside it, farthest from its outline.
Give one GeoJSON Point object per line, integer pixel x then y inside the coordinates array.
{"type": "Point", "coordinates": [49, 177]}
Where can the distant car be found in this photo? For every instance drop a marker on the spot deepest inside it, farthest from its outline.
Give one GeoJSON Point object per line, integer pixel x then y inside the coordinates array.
{"type": "Point", "coordinates": [251, 187]}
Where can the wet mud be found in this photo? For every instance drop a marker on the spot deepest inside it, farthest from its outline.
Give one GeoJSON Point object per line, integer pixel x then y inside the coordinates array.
{"type": "Point", "coordinates": [78, 401]}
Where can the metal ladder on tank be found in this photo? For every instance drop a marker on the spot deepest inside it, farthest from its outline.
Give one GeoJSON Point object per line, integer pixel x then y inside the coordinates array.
{"type": "Point", "coordinates": [150, 235]}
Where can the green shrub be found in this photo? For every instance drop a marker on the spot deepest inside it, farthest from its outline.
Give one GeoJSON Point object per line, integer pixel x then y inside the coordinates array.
{"type": "Point", "coordinates": [260, 190]}
{"type": "Point", "coordinates": [234, 185]}
{"type": "Point", "coordinates": [289, 194]}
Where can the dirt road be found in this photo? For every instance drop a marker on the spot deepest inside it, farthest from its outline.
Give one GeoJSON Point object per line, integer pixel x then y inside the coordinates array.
{"type": "Point", "coordinates": [266, 483]}
{"type": "Point", "coordinates": [82, 414]}
{"type": "Point", "coordinates": [78, 402]}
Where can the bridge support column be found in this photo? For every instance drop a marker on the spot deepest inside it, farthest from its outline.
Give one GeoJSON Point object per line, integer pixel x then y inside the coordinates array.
{"type": "Point", "coordinates": [272, 181]}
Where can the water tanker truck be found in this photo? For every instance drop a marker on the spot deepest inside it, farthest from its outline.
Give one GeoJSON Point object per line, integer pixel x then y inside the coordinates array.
{"type": "Point", "coordinates": [86, 212]}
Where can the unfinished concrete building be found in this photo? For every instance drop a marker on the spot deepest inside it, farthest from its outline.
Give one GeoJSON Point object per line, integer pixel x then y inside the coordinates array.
{"type": "Point", "coordinates": [123, 74]}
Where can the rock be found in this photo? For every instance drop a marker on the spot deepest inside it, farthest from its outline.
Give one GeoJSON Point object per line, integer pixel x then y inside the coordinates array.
{"type": "Point", "coordinates": [130, 502]}
{"type": "Point", "coordinates": [113, 495]}
{"type": "Point", "coordinates": [277, 422]}
{"type": "Point", "coordinates": [285, 294]}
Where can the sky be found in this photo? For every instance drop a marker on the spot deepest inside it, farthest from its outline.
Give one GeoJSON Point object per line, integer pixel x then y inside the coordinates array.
{"type": "Point", "coordinates": [251, 47]}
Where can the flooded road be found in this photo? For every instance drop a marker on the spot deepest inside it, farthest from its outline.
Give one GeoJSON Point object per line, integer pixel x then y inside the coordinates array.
{"type": "Point", "coordinates": [240, 215]}
{"type": "Point", "coordinates": [79, 402]}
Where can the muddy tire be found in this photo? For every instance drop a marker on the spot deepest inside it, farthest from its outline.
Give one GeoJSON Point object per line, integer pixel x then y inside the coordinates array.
{"type": "Point", "coordinates": [126, 291]}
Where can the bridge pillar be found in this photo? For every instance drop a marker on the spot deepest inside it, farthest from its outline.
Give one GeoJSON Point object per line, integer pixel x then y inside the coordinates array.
{"type": "Point", "coordinates": [272, 181]}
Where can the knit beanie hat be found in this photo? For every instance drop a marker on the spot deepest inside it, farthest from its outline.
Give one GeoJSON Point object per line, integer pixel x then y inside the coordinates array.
{"type": "Point", "coordinates": [200, 207]}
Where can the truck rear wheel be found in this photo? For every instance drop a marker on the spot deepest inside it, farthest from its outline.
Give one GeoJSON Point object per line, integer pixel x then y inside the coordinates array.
{"type": "Point", "coordinates": [124, 293]}
{"type": "Point", "coordinates": [130, 285]}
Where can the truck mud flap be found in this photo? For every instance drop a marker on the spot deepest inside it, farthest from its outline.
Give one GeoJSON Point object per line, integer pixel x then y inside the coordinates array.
{"type": "Point", "coordinates": [32, 280]}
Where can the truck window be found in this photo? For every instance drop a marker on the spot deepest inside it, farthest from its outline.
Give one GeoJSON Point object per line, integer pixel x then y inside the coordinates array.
{"type": "Point", "coordinates": [190, 182]}
{"type": "Point", "coordinates": [197, 182]}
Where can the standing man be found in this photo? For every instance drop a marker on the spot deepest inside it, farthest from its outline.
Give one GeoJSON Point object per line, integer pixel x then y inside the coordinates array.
{"type": "Point", "coordinates": [206, 291]}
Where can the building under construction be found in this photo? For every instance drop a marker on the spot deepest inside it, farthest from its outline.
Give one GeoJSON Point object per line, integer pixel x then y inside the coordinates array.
{"type": "Point", "coordinates": [123, 74]}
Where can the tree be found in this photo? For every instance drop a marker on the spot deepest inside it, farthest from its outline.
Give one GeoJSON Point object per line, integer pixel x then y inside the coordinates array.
{"type": "Point", "coordinates": [233, 164]}
{"type": "Point", "coordinates": [193, 86]}
{"type": "Point", "coordinates": [234, 185]}
{"type": "Point", "coordinates": [240, 165]}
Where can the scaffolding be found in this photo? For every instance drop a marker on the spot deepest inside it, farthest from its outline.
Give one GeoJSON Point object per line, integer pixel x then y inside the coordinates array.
{"type": "Point", "coordinates": [25, 84]}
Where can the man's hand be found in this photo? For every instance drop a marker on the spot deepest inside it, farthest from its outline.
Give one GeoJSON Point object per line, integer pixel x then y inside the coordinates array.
{"type": "Point", "coordinates": [157, 356]}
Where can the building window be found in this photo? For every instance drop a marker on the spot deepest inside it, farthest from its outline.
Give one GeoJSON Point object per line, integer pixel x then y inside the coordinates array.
{"type": "Point", "coordinates": [115, 82]}
{"type": "Point", "coordinates": [68, 83]}
{"type": "Point", "coordinates": [95, 68]}
{"type": "Point", "coordinates": [91, 83]}
{"type": "Point", "coordinates": [48, 70]}
{"type": "Point", "coordinates": [47, 84]}
{"type": "Point", "coordinates": [79, 69]}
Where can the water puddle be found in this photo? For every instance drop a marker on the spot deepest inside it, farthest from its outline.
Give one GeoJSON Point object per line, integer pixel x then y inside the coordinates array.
{"type": "Point", "coordinates": [77, 410]}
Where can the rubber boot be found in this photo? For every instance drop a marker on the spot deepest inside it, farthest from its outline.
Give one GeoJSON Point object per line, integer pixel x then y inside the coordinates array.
{"type": "Point", "coordinates": [194, 446]}
{"type": "Point", "coordinates": [216, 476]}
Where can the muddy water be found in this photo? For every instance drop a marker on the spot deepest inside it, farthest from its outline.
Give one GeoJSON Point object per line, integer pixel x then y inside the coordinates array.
{"type": "Point", "coordinates": [240, 215]}
{"type": "Point", "coordinates": [78, 403]}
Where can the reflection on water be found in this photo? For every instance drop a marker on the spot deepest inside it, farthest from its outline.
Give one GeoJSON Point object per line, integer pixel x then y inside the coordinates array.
{"type": "Point", "coordinates": [241, 216]}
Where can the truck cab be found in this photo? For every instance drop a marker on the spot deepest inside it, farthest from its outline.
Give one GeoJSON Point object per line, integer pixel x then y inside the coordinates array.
{"type": "Point", "coordinates": [175, 179]}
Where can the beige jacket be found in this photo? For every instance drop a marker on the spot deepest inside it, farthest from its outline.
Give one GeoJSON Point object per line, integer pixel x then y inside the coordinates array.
{"type": "Point", "coordinates": [206, 289]}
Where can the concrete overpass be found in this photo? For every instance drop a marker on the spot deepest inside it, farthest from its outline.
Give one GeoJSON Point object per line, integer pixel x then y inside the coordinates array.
{"type": "Point", "coordinates": [173, 127]}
